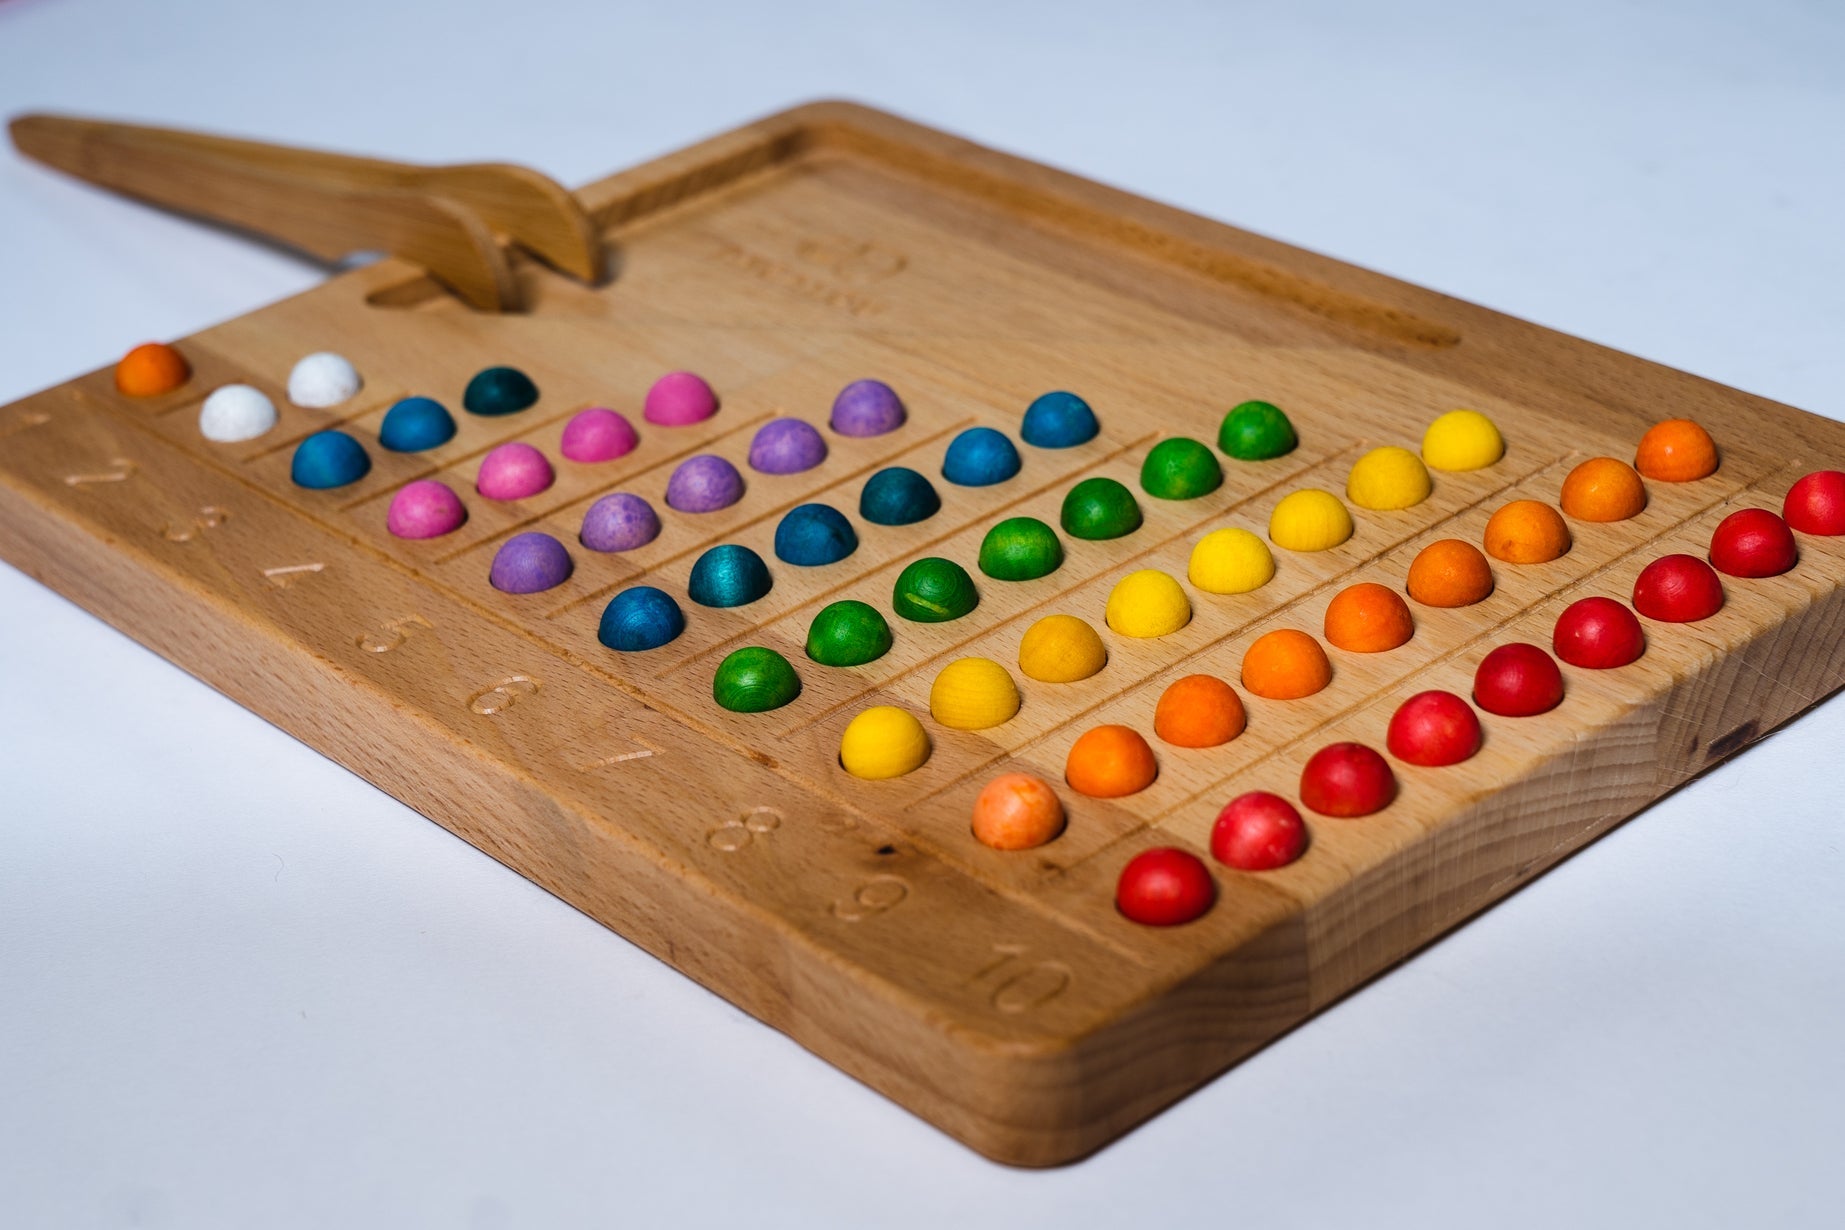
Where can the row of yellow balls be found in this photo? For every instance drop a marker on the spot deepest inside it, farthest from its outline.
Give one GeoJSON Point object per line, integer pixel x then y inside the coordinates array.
{"type": "Point", "coordinates": [978, 693]}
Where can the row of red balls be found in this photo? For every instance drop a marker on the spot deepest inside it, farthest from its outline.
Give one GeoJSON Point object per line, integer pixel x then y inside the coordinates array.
{"type": "Point", "coordinates": [1260, 831]}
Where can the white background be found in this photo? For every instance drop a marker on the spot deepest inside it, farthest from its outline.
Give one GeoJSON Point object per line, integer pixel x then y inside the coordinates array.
{"type": "Point", "coordinates": [239, 987]}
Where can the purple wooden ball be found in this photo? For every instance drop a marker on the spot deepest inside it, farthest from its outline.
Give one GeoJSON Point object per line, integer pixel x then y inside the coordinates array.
{"type": "Point", "coordinates": [530, 562]}
{"type": "Point", "coordinates": [867, 408]}
{"type": "Point", "coordinates": [786, 446]}
{"type": "Point", "coordinates": [704, 483]}
{"type": "Point", "coordinates": [620, 522]}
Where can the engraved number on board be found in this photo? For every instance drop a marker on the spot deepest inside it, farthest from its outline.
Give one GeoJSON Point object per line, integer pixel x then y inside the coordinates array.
{"type": "Point", "coordinates": [874, 896]}
{"type": "Point", "coordinates": [852, 260]}
{"type": "Point", "coordinates": [286, 575]}
{"type": "Point", "coordinates": [502, 695]}
{"type": "Point", "coordinates": [26, 420]}
{"type": "Point", "coordinates": [392, 633]}
{"type": "Point", "coordinates": [209, 517]}
{"type": "Point", "coordinates": [120, 470]}
{"type": "Point", "coordinates": [1020, 984]}
{"type": "Point", "coordinates": [739, 831]}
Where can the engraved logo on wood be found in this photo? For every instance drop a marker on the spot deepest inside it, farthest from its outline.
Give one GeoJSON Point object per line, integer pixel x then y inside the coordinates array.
{"type": "Point", "coordinates": [1019, 985]}
{"type": "Point", "coordinates": [392, 633]}
{"type": "Point", "coordinates": [502, 695]}
{"type": "Point", "coordinates": [120, 470]}
{"type": "Point", "coordinates": [875, 896]}
{"type": "Point", "coordinates": [736, 833]}
{"type": "Point", "coordinates": [209, 517]}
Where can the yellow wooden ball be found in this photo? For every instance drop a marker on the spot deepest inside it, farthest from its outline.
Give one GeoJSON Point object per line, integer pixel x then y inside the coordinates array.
{"type": "Point", "coordinates": [883, 741]}
{"type": "Point", "coordinates": [1231, 561]}
{"type": "Point", "coordinates": [1061, 649]}
{"type": "Point", "coordinates": [973, 694]}
{"type": "Point", "coordinates": [1309, 520]}
{"type": "Point", "coordinates": [1462, 440]}
{"type": "Point", "coordinates": [1148, 603]}
{"type": "Point", "coordinates": [1388, 478]}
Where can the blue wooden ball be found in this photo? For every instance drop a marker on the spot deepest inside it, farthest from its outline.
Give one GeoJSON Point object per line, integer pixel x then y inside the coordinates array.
{"type": "Point", "coordinates": [639, 618]}
{"type": "Point", "coordinates": [1059, 420]}
{"type": "Point", "coordinates": [814, 534]}
{"type": "Point", "coordinates": [414, 424]}
{"type": "Point", "coordinates": [898, 496]}
{"type": "Point", "coordinates": [329, 459]}
{"type": "Point", "coordinates": [728, 575]}
{"type": "Point", "coordinates": [980, 457]}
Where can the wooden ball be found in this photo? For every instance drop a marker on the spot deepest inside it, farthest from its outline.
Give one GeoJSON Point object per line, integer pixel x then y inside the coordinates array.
{"type": "Point", "coordinates": [1258, 831]}
{"type": "Point", "coordinates": [1462, 440]}
{"type": "Point", "coordinates": [151, 369]}
{"type": "Point", "coordinates": [883, 742]}
{"type": "Point", "coordinates": [1432, 729]}
{"type": "Point", "coordinates": [1017, 811]}
{"type": "Point", "coordinates": [1388, 478]}
{"type": "Point", "coordinates": [1198, 711]}
{"type": "Point", "coordinates": [973, 694]}
{"type": "Point", "coordinates": [933, 590]}
{"type": "Point", "coordinates": [1518, 680]}
{"type": "Point", "coordinates": [1309, 520]}
{"type": "Point", "coordinates": [1676, 451]}
{"type": "Point", "coordinates": [1816, 503]}
{"type": "Point", "coordinates": [1061, 649]}
{"type": "Point", "coordinates": [754, 680]}
{"type": "Point", "coordinates": [1368, 618]}
{"type": "Point", "coordinates": [1165, 887]}
{"type": "Point", "coordinates": [1148, 603]}
{"type": "Point", "coordinates": [1752, 542]}
{"type": "Point", "coordinates": [1598, 634]}
{"type": "Point", "coordinates": [1230, 561]}
{"type": "Point", "coordinates": [1110, 762]}
{"type": "Point", "coordinates": [1678, 589]}
{"type": "Point", "coordinates": [1347, 780]}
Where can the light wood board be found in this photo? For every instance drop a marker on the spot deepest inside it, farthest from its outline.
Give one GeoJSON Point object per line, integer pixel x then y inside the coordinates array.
{"type": "Point", "coordinates": [998, 995]}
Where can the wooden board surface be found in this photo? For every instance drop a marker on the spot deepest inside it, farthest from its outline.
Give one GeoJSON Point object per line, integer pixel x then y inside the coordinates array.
{"type": "Point", "coordinates": [1001, 996]}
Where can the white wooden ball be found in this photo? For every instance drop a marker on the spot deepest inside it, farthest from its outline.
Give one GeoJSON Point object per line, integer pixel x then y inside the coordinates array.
{"type": "Point", "coordinates": [322, 379]}
{"type": "Point", "coordinates": [236, 412]}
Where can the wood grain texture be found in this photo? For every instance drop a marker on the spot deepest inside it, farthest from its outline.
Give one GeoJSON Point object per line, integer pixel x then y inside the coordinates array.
{"type": "Point", "coordinates": [999, 995]}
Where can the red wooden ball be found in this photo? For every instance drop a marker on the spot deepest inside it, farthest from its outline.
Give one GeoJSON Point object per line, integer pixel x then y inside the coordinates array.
{"type": "Point", "coordinates": [1434, 729]}
{"type": "Point", "coordinates": [1165, 887]}
{"type": "Point", "coordinates": [1598, 633]}
{"type": "Point", "coordinates": [1258, 831]}
{"type": "Point", "coordinates": [1816, 504]}
{"type": "Point", "coordinates": [1752, 542]}
{"type": "Point", "coordinates": [1518, 680]}
{"type": "Point", "coordinates": [1347, 779]}
{"type": "Point", "coordinates": [1678, 589]}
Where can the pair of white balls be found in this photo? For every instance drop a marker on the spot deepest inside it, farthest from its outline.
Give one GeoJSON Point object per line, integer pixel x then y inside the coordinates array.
{"type": "Point", "coordinates": [239, 412]}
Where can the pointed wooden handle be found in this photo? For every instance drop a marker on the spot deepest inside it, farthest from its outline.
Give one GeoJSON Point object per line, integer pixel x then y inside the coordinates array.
{"type": "Point", "coordinates": [330, 205]}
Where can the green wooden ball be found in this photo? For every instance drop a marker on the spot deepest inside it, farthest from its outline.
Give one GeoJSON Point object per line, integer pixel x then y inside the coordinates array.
{"type": "Point", "coordinates": [933, 591]}
{"type": "Point", "coordinates": [1180, 468]}
{"type": "Point", "coordinates": [1098, 508]}
{"type": "Point", "coordinates": [1256, 431]}
{"type": "Point", "coordinates": [754, 680]}
{"type": "Point", "coordinates": [1020, 549]}
{"type": "Point", "coordinates": [848, 633]}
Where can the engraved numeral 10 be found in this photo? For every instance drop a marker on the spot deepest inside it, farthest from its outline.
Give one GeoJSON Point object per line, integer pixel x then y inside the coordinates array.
{"type": "Point", "coordinates": [1019, 984]}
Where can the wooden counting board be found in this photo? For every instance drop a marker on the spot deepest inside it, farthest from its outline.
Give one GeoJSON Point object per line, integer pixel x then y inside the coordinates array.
{"type": "Point", "coordinates": [1001, 995]}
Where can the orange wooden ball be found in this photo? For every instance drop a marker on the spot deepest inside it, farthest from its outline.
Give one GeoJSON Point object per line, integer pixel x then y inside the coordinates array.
{"type": "Point", "coordinates": [1109, 762]}
{"type": "Point", "coordinates": [1527, 532]}
{"type": "Point", "coordinates": [1198, 711]}
{"type": "Point", "coordinates": [1017, 811]}
{"type": "Point", "coordinates": [1285, 664]}
{"type": "Point", "coordinates": [151, 369]}
{"type": "Point", "coordinates": [1449, 572]}
{"type": "Point", "coordinates": [1676, 451]}
{"type": "Point", "coordinates": [1368, 618]}
{"type": "Point", "coordinates": [1603, 489]}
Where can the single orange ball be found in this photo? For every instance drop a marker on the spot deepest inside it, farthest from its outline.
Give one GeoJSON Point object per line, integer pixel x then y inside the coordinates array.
{"type": "Point", "coordinates": [1676, 451]}
{"type": "Point", "coordinates": [1527, 532]}
{"type": "Point", "coordinates": [151, 369]}
{"type": "Point", "coordinates": [1285, 664]}
{"type": "Point", "coordinates": [1603, 489]}
{"type": "Point", "coordinates": [1198, 711]}
{"type": "Point", "coordinates": [1109, 762]}
{"type": "Point", "coordinates": [1017, 811]}
{"type": "Point", "coordinates": [1449, 572]}
{"type": "Point", "coordinates": [1368, 618]}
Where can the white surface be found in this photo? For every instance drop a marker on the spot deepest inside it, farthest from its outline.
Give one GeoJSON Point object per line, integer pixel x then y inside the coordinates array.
{"type": "Point", "coordinates": [239, 987]}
